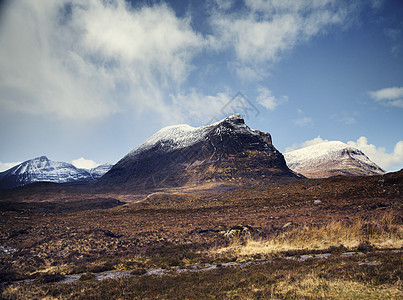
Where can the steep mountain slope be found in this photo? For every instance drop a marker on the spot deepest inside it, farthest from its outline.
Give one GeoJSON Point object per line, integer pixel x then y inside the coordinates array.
{"type": "Point", "coordinates": [226, 151]}
{"type": "Point", "coordinates": [331, 159]}
{"type": "Point", "coordinates": [42, 169]}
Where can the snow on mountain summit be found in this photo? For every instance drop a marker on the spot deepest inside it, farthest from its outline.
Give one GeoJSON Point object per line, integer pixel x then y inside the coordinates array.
{"type": "Point", "coordinates": [42, 169]}
{"type": "Point", "coordinates": [330, 159]}
{"type": "Point", "coordinates": [176, 137]}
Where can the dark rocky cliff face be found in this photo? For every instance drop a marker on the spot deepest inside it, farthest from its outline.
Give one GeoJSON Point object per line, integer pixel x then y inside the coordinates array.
{"type": "Point", "coordinates": [227, 151]}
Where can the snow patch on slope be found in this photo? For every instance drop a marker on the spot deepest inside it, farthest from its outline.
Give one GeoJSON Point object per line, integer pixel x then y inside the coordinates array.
{"type": "Point", "coordinates": [99, 171]}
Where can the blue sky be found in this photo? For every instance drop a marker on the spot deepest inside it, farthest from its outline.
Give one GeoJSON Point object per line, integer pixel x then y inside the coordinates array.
{"type": "Point", "coordinates": [93, 79]}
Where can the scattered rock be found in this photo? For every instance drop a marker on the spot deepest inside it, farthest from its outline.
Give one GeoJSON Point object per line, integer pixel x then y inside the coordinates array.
{"type": "Point", "coordinates": [237, 231]}
{"type": "Point", "coordinates": [287, 224]}
{"type": "Point", "coordinates": [156, 272]}
{"type": "Point", "coordinates": [370, 263]}
{"type": "Point", "coordinates": [322, 255]}
{"type": "Point", "coordinates": [7, 250]}
{"type": "Point", "coordinates": [351, 253]}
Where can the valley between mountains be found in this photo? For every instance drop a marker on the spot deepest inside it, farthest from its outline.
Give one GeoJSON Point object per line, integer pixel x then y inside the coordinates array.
{"type": "Point", "coordinates": [218, 194]}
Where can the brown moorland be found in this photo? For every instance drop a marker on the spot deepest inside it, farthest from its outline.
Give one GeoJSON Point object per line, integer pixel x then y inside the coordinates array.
{"type": "Point", "coordinates": [49, 232]}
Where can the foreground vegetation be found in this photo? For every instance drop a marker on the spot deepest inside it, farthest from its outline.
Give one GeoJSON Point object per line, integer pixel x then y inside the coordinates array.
{"type": "Point", "coordinates": [383, 232]}
{"type": "Point", "coordinates": [331, 278]}
{"type": "Point", "coordinates": [368, 274]}
{"type": "Point", "coordinates": [354, 223]}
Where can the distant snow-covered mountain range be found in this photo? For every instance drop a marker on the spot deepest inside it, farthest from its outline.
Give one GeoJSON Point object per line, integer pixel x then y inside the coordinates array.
{"type": "Point", "coordinates": [226, 151]}
{"type": "Point", "coordinates": [42, 169]}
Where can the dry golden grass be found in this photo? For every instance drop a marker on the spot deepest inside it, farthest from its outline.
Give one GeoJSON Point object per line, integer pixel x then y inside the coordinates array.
{"type": "Point", "coordinates": [334, 278]}
{"type": "Point", "coordinates": [383, 232]}
{"type": "Point", "coordinates": [313, 287]}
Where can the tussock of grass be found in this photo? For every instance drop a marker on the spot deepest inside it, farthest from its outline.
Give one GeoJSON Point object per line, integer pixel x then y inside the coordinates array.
{"type": "Point", "coordinates": [383, 232]}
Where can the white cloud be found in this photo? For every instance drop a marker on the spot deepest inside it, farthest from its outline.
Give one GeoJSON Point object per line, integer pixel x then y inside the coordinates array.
{"type": "Point", "coordinates": [6, 166]}
{"type": "Point", "coordinates": [388, 96]}
{"type": "Point", "coordinates": [345, 118]}
{"type": "Point", "coordinates": [224, 4]}
{"type": "Point", "coordinates": [83, 163]}
{"type": "Point", "coordinates": [377, 4]}
{"type": "Point", "coordinates": [315, 141]}
{"type": "Point", "coordinates": [88, 59]}
{"type": "Point", "coordinates": [388, 161]}
{"type": "Point", "coordinates": [395, 39]}
{"type": "Point", "coordinates": [267, 100]}
{"type": "Point", "coordinates": [266, 29]}
{"type": "Point", "coordinates": [348, 120]}
{"type": "Point", "coordinates": [303, 121]}
{"type": "Point", "coordinates": [199, 107]}
{"type": "Point", "coordinates": [248, 73]}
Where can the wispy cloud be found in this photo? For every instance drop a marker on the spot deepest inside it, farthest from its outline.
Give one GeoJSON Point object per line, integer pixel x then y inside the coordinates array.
{"type": "Point", "coordinates": [267, 100]}
{"type": "Point", "coordinates": [198, 107]}
{"type": "Point", "coordinates": [388, 96]}
{"type": "Point", "coordinates": [224, 4]}
{"type": "Point", "coordinates": [396, 40]}
{"type": "Point", "coordinates": [302, 120]}
{"type": "Point", "coordinates": [265, 30]}
{"type": "Point", "coordinates": [345, 118]}
{"type": "Point", "coordinates": [348, 120]}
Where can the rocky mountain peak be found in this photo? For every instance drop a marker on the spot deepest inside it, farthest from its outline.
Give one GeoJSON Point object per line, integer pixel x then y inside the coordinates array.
{"type": "Point", "coordinates": [41, 158]}
{"type": "Point", "coordinates": [180, 155]}
{"type": "Point", "coordinates": [234, 119]}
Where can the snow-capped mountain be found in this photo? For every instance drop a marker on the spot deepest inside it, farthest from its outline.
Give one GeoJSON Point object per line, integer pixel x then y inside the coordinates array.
{"type": "Point", "coordinates": [41, 169]}
{"type": "Point", "coordinates": [184, 155]}
{"type": "Point", "coordinates": [331, 159]}
{"type": "Point", "coordinates": [99, 171]}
